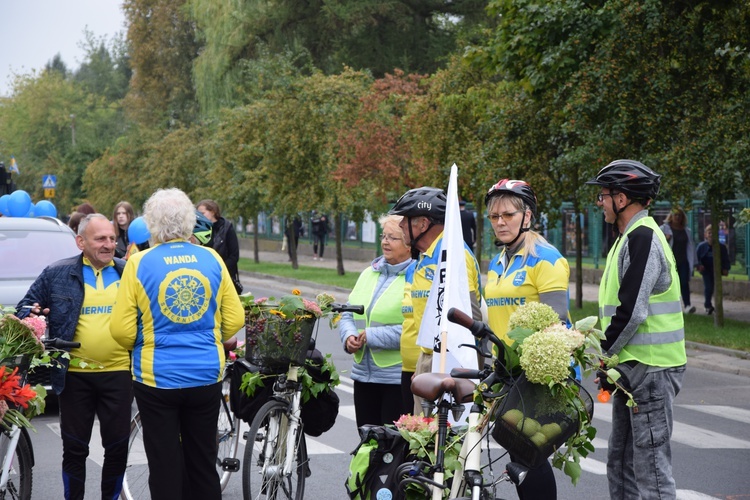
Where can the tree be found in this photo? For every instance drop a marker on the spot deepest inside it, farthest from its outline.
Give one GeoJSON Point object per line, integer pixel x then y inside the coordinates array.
{"type": "Point", "coordinates": [105, 70]}
{"type": "Point", "coordinates": [163, 45]}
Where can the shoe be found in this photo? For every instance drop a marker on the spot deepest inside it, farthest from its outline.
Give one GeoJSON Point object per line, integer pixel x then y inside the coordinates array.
{"type": "Point", "coordinates": [710, 310]}
{"type": "Point", "coordinates": [689, 309]}
{"type": "Point", "coordinates": [320, 259]}
{"type": "Point", "coordinates": [315, 258]}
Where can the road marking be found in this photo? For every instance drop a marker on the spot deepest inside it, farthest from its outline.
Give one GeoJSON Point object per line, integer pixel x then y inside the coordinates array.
{"type": "Point", "coordinates": [729, 412]}
{"type": "Point", "coordinates": [689, 435]}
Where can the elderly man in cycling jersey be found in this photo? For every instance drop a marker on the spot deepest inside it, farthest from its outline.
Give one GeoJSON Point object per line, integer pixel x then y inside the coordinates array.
{"type": "Point", "coordinates": [175, 307]}
{"type": "Point", "coordinates": [77, 294]}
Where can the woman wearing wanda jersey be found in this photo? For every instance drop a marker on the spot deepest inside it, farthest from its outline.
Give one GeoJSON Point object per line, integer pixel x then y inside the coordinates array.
{"type": "Point", "coordinates": [527, 269]}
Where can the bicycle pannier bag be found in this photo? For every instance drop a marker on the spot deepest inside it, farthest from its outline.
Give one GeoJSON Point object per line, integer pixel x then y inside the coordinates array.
{"type": "Point", "coordinates": [373, 467]}
{"type": "Point", "coordinates": [242, 405]}
{"type": "Point", "coordinates": [319, 413]}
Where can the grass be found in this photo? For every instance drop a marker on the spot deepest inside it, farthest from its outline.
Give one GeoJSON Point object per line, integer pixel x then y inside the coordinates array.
{"type": "Point", "coordinates": [698, 327]}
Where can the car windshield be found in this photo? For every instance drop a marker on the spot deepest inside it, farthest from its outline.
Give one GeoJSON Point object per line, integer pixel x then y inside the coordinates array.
{"type": "Point", "coordinates": [25, 254]}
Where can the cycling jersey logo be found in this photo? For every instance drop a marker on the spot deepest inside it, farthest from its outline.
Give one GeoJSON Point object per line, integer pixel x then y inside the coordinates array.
{"type": "Point", "coordinates": [519, 278]}
{"type": "Point", "coordinates": [184, 295]}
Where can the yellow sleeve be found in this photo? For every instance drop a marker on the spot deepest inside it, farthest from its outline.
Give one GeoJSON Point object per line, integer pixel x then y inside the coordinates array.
{"type": "Point", "coordinates": [122, 325]}
{"type": "Point", "coordinates": [232, 312]}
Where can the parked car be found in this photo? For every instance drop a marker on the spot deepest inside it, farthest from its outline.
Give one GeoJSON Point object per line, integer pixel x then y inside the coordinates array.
{"type": "Point", "coordinates": [27, 246]}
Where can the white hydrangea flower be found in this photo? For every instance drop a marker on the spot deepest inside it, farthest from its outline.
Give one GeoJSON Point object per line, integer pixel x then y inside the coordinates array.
{"type": "Point", "coordinates": [533, 315]}
{"type": "Point", "coordinates": [573, 338]}
{"type": "Point", "coordinates": [545, 357]}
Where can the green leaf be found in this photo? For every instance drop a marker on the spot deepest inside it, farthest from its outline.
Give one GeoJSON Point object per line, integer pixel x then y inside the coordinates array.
{"type": "Point", "coordinates": [586, 324]}
{"type": "Point", "coordinates": [573, 470]}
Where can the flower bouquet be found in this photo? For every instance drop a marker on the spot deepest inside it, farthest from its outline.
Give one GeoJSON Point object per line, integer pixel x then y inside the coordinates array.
{"type": "Point", "coordinates": [546, 410]}
{"type": "Point", "coordinates": [278, 331]}
{"type": "Point", "coordinates": [421, 433]}
{"type": "Point", "coordinates": [20, 348]}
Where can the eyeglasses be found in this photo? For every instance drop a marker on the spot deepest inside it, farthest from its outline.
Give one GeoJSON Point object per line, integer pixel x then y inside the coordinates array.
{"type": "Point", "coordinates": [600, 196]}
{"type": "Point", "coordinates": [389, 238]}
{"type": "Point", "coordinates": [507, 216]}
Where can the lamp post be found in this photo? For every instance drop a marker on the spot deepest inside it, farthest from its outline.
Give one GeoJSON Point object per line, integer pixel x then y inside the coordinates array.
{"type": "Point", "coordinates": [73, 129]}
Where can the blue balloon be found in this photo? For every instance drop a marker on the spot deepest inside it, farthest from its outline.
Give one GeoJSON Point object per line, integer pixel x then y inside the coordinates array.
{"type": "Point", "coordinates": [31, 212]}
{"type": "Point", "coordinates": [4, 205]}
{"type": "Point", "coordinates": [138, 232]}
{"type": "Point", "coordinates": [45, 207]}
{"type": "Point", "coordinates": [19, 203]}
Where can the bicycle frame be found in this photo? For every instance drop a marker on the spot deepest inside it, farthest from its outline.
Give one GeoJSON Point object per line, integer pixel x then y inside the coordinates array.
{"type": "Point", "coordinates": [14, 436]}
{"type": "Point", "coordinates": [294, 412]}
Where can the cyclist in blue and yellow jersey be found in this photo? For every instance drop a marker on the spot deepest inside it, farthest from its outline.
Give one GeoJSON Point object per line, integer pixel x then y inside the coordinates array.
{"type": "Point", "coordinates": [175, 307]}
{"type": "Point", "coordinates": [641, 315]}
{"type": "Point", "coordinates": [423, 211]}
{"type": "Point", "coordinates": [77, 295]}
{"type": "Point", "coordinates": [374, 338]}
{"type": "Point", "coordinates": [527, 269]}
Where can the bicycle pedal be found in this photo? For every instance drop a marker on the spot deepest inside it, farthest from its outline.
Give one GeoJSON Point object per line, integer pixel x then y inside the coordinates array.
{"type": "Point", "coordinates": [230, 464]}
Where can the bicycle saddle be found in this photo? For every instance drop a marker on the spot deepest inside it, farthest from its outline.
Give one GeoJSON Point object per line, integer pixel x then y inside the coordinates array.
{"type": "Point", "coordinates": [432, 386]}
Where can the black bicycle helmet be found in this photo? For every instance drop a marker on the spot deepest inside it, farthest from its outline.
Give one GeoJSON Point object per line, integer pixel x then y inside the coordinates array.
{"type": "Point", "coordinates": [424, 201]}
{"type": "Point", "coordinates": [631, 177]}
{"type": "Point", "coordinates": [522, 189]}
{"type": "Point", "coordinates": [203, 228]}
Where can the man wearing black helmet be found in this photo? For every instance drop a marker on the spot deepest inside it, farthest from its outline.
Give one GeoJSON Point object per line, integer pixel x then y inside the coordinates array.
{"type": "Point", "coordinates": [423, 211]}
{"type": "Point", "coordinates": [641, 315]}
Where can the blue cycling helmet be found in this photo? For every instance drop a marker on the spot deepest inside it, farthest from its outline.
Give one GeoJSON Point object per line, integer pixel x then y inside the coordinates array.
{"type": "Point", "coordinates": [203, 229]}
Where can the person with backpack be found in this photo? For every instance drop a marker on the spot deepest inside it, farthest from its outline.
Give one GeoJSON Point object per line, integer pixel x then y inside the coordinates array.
{"type": "Point", "coordinates": [374, 338]}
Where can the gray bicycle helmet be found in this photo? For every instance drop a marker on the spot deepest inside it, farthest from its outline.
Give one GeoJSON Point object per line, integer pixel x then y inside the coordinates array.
{"type": "Point", "coordinates": [631, 177]}
{"type": "Point", "coordinates": [424, 201]}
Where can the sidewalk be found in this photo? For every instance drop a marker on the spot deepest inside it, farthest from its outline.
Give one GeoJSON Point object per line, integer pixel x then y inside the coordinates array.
{"type": "Point", "coordinates": [699, 355]}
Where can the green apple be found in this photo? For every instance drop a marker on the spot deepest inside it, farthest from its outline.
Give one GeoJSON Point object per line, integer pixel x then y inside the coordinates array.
{"type": "Point", "coordinates": [513, 416]}
{"type": "Point", "coordinates": [528, 426]}
{"type": "Point", "coordinates": [539, 439]}
{"type": "Point", "coordinates": [551, 431]}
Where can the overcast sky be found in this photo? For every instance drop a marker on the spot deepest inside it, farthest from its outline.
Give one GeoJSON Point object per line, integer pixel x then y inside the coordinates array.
{"type": "Point", "coordinates": [33, 31]}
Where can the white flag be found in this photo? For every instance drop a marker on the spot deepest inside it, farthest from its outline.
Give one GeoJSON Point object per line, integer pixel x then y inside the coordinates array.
{"type": "Point", "coordinates": [450, 288]}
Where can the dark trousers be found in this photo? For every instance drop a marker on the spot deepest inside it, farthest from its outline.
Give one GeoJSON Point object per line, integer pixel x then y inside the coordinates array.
{"type": "Point", "coordinates": [378, 404]}
{"type": "Point", "coordinates": [708, 288]}
{"type": "Point", "coordinates": [108, 396]}
{"type": "Point", "coordinates": [179, 436]}
{"type": "Point", "coordinates": [539, 484]}
{"type": "Point", "coordinates": [683, 272]}
{"type": "Point", "coordinates": [319, 239]}
{"type": "Point", "coordinates": [407, 398]}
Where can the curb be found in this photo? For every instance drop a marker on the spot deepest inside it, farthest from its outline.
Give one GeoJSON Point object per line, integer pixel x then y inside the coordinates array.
{"type": "Point", "coordinates": [702, 356]}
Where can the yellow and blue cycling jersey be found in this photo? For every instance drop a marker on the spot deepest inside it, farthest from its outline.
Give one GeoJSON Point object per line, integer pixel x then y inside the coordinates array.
{"type": "Point", "coordinates": [419, 277]}
{"type": "Point", "coordinates": [525, 279]}
{"type": "Point", "coordinates": [175, 306]}
{"type": "Point", "coordinates": [92, 329]}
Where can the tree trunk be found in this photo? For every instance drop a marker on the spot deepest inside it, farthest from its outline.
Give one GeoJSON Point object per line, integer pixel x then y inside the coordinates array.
{"type": "Point", "coordinates": [291, 237]}
{"type": "Point", "coordinates": [339, 250]}
{"type": "Point", "coordinates": [579, 253]}
{"type": "Point", "coordinates": [256, 251]}
{"type": "Point", "coordinates": [716, 214]}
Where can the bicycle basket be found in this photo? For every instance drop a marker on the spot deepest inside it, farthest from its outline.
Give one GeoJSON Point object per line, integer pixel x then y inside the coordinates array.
{"type": "Point", "coordinates": [531, 423]}
{"type": "Point", "coordinates": [274, 342]}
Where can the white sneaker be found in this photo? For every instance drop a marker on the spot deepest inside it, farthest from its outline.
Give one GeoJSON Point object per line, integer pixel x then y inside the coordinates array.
{"type": "Point", "coordinates": [689, 309]}
{"type": "Point", "coordinates": [315, 258]}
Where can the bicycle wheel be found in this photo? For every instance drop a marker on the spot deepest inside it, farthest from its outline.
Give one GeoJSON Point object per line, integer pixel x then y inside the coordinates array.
{"type": "Point", "coordinates": [135, 483]}
{"type": "Point", "coordinates": [227, 437]}
{"type": "Point", "coordinates": [19, 479]}
{"type": "Point", "coordinates": [265, 452]}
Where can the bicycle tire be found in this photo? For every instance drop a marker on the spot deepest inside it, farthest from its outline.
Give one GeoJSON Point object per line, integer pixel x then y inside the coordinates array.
{"type": "Point", "coordinates": [268, 435]}
{"type": "Point", "coordinates": [20, 478]}
{"type": "Point", "coordinates": [135, 482]}
{"type": "Point", "coordinates": [227, 435]}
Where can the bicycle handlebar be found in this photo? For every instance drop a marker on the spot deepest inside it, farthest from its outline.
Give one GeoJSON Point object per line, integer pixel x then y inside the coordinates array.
{"type": "Point", "coordinates": [57, 343]}
{"type": "Point", "coordinates": [477, 328]}
{"type": "Point", "coordinates": [335, 307]}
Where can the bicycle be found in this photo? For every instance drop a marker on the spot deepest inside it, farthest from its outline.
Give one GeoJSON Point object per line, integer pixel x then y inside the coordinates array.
{"type": "Point", "coordinates": [275, 464]}
{"type": "Point", "coordinates": [135, 483]}
{"type": "Point", "coordinates": [449, 392]}
{"type": "Point", "coordinates": [15, 443]}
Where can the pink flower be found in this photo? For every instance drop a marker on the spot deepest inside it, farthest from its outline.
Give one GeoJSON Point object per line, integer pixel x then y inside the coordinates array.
{"type": "Point", "coordinates": [37, 324]}
{"type": "Point", "coordinates": [312, 307]}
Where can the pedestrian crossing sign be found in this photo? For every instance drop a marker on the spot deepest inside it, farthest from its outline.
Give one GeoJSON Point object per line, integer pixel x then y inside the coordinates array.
{"type": "Point", "coordinates": [49, 181]}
